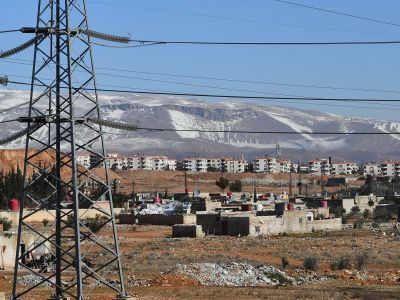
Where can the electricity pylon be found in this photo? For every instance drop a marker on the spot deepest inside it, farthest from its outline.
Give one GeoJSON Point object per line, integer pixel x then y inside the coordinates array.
{"type": "Point", "coordinates": [63, 93]}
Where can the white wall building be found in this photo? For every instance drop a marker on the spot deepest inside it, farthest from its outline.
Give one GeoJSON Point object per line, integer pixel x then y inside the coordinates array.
{"type": "Point", "coordinates": [372, 169]}
{"type": "Point", "coordinates": [390, 168]}
{"type": "Point", "coordinates": [344, 168]}
{"type": "Point", "coordinates": [319, 166]}
{"type": "Point", "coordinates": [196, 164]}
{"type": "Point", "coordinates": [235, 165]}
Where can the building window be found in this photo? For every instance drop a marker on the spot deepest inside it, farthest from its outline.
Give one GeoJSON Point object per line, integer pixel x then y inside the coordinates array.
{"type": "Point", "coordinates": [300, 220]}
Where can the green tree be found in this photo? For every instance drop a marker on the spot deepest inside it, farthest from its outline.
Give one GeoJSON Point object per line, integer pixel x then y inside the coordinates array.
{"type": "Point", "coordinates": [235, 186]}
{"type": "Point", "coordinates": [222, 183]}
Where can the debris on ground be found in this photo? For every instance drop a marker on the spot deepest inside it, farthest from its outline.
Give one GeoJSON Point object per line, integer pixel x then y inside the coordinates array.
{"type": "Point", "coordinates": [241, 274]}
{"type": "Point", "coordinates": [31, 280]}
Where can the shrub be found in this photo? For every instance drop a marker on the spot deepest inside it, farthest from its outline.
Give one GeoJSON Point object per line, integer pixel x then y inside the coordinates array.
{"type": "Point", "coordinates": [310, 263]}
{"type": "Point", "coordinates": [381, 215]}
{"type": "Point", "coordinates": [285, 262]}
{"type": "Point", "coordinates": [45, 222]}
{"type": "Point", "coordinates": [341, 263]}
{"type": "Point", "coordinates": [7, 223]}
{"type": "Point", "coordinates": [355, 210]}
{"type": "Point", "coordinates": [235, 186]}
{"type": "Point", "coordinates": [344, 219]}
{"type": "Point", "coordinates": [366, 214]}
{"type": "Point", "coordinates": [96, 223]}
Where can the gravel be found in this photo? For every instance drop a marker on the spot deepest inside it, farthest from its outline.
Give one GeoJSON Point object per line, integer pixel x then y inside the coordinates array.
{"type": "Point", "coordinates": [31, 280]}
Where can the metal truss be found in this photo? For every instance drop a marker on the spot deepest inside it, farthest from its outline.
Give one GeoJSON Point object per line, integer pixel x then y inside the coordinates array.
{"type": "Point", "coordinates": [60, 186]}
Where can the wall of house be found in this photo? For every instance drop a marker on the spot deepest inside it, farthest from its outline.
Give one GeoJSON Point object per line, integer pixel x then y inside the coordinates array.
{"type": "Point", "coordinates": [167, 220]}
{"type": "Point", "coordinates": [48, 214]}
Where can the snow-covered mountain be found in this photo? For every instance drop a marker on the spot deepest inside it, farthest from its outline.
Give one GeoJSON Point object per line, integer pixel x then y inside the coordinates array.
{"type": "Point", "coordinates": [183, 113]}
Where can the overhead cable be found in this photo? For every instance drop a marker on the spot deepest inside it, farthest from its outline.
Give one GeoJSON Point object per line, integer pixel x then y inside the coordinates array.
{"type": "Point", "coordinates": [22, 62]}
{"type": "Point", "coordinates": [165, 42]}
{"type": "Point", "coordinates": [9, 31]}
{"type": "Point", "coordinates": [249, 97]}
{"type": "Point", "coordinates": [338, 13]}
{"type": "Point", "coordinates": [22, 47]}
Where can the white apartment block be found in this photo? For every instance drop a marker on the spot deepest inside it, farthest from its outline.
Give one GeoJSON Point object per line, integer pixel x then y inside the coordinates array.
{"type": "Point", "coordinates": [272, 165]}
{"type": "Point", "coordinates": [84, 159]}
{"type": "Point", "coordinates": [196, 164]}
{"type": "Point", "coordinates": [372, 169]}
{"type": "Point", "coordinates": [235, 165]}
{"type": "Point", "coordinates": [140, 162]}
{"type": "Point", "coordinates": [319, 166]}
{"type": "Point", "coordinates": [390, 168]}
{"type": "Point", "coordinates": [265, 164]}
{"type": "Point", "coordinates": [344, 168]}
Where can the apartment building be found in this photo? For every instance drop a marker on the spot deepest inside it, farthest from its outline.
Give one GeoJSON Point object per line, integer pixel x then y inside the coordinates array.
{"type": "Point", "coordinates": [269, 164]}
{"type": "Point", "coordinates": [319, 166]}
{"type": "Point", "coordinates": [373, 169]}
{"type": "Point", "coordinates": [390, 168]}
{"type": "Point", "coordinates": [235, 165]}
{"type": "Point", "coordinates": [344, 168]}
{"type": "Point", "coordinates": [196, 164]}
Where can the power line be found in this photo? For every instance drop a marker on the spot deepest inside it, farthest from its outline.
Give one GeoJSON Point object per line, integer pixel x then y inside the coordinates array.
{"type": "Point", "coordinates": [254, 21]}
{"type": "Point", "coordinates": [22, 62]}
{"type": "Point", "coordinates": [210, 43]}
{"type": "Point", "coordinates": [231, 96]}
{"type": "Point", "coordinates": [8, 121]}
{"type": "Point", "coordinates": [338, 13]}
{"type": "Point", "coordinates": [9, 31]}
{"type": "Point", "coordinates": [385, 106]}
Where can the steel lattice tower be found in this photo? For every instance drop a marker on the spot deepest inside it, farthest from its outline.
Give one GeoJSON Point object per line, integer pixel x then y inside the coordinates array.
{"type": "Point", "coordinates": [63, 93]}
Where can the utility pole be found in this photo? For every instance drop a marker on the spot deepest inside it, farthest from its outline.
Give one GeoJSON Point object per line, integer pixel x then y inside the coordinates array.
{"type": "Point", "coordinates": [290, 183]}
{"type": "Point", "coordinates": [62, 95]}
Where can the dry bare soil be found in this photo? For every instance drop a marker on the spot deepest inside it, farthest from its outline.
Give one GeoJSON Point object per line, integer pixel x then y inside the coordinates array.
{"type": "Point", "coordinates": [149, 253]}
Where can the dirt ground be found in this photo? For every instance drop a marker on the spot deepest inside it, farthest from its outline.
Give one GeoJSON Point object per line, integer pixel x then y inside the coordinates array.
{"type": "Point", "coordinates": [149, 254]}
{"type": "Point", "coordinates": [174, 182]}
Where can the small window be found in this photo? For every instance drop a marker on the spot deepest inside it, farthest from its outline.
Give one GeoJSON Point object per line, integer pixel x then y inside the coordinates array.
{"type": "Point", "coordinates": [309, 218]}
{"type": "Point", "coordinates": [257, 229]}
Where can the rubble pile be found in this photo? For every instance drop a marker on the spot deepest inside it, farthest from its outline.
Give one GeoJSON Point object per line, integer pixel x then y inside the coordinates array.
{"type": "Point", "coordinates": [31, 280]}
{"type": "Point", "coordinates": [171, 208]}
{"type": "Point", "coordinates": [235, 274]}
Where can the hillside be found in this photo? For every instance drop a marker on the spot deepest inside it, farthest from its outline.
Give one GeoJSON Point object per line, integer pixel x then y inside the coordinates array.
{"type": "Point", "coordinates": [181, 113]}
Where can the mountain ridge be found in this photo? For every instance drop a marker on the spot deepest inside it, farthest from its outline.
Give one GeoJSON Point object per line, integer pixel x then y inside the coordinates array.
{"type": "Point", "coordinates": [183, 113]}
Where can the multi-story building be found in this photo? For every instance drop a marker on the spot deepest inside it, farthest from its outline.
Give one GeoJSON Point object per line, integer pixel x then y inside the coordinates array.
{"type": "Point", "coordinates": [140, 162]}
{"type": "Point", "coordinates": [265, 164]}
{"type": "Point", "coordinates": [269, 164]}
{"type": "Point", "coordinates": [344, 168]}
{"type": "Point", "coordinates": [373, 169]}
{"type": "Point", "coordinates": [390, 168]}
{"type": "Point", "coordinates": [85, 159]}
{"type": "Point", "coordinates": [319, 166]}
{"type": "Point", "coordinates": [195, 164]}
{"type": "Point", "coordinates": [235, 165]}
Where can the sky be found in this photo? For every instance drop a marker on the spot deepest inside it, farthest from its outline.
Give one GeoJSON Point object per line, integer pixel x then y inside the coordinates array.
{"type": "Point", "coordinates": [372, 67]}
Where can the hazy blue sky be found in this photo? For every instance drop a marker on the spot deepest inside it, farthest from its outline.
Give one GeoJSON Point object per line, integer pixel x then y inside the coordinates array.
{"type": "Point", "coordinates": [367, 67]}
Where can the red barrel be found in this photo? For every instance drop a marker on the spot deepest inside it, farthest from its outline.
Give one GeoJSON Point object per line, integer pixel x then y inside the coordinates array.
{"type": "Point", "coordinates": [14, 204]}
{"type": "Point", "coordinates": [290, 206]}
{"type": "Point", "coordinates": [324, 204]}
{"type": "Point", "coordinates": [156, 200]}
